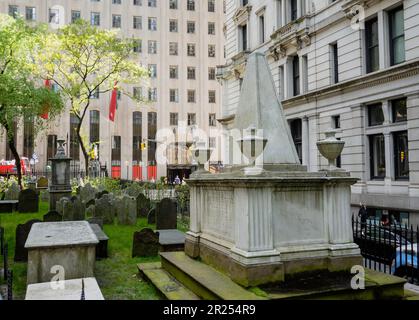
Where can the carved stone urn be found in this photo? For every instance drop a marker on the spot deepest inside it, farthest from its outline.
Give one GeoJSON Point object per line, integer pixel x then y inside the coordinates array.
{"type": "Point", "coordinates": [252, 147]}
{"type": "Point", "coordinates": [331, 148]}
{"type": "Point", "coordinates": [201, 155]}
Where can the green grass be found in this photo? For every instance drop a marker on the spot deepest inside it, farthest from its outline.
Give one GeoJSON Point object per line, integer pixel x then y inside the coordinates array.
{"type": "Point", "coordinates": [117, 276]}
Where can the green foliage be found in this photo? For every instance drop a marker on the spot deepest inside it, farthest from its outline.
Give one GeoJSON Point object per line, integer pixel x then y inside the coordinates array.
{"type": "Point", "coordinates": [183, 194]}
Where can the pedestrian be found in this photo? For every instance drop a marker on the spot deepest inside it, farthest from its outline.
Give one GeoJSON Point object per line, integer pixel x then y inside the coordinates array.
{"type": "Point", "coordinates": [177, 180]}
{"type": "Point", "coordinates": [363, 214]}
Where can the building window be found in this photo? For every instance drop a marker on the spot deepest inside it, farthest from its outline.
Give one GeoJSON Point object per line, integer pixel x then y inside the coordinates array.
{"type": "Point", "coordinates": [296, 75]}
{"type": "Point", "coordinates": [377, 156]}
{"type": "Point", "coordinates": [51, 146]}
{"type": "Point", "coordinates": [54, 16]}
{"type": "Point", "coordinates": [211, 73]}
{"type": "Point", "coordinates": [173, 4]}
{"type": "Point", "coordinates": [137, 22]}
{"type": "Point", "coordinates": [191, 96]}
{"type": "Point", "coordinates": [116, 21]}
{"type": "Point", "coordinates": [94, 126]}
{"type": "Point", "coordinates": [211, 96]}
{"type": "Point", "coordinates": [173, 26]}
{"type": "Point", "coordinates": [211, 5]}
{"type": "Point", "coordinates": [28, 138]}
{"type": "Point", "coordinates": [74, 141]}
{"type": "Point", "coordinates": [152, 94]}
{"type": "Point", "coordinates": [173, 48]}
{"type": "Point", "coordinates": [137, 133]}
{"type": "Point", "coordinates": [293, 9]}
{"type": "Point", "coordinates": [211, 51]}
{"type": "Point", "coordinates": [191, 74]}
{"type": "Point", "coordinates": [173, 72]}
{"type": "Point", "coordinates": [152, 3]}
{"type": "Point", "coordinates": [191, 119]}
{"type": "Point", "coordinates": [211, 28]}
{"type": "Point", "coordinates": [401, 155]}
{"type": "Point", "coordinates": [152, 24]}
{"type": "Point", "coordinates": [191, 50]}
{"type": "Point", "coordinates": [261, 29]}
{"type": "Point", "coordinates": [336, 122]}
{"type": "Point", "coordinates": [30, 13]}
{"type": "Point", "coordinates": [375, 115]}
{"type": "Point", "coordinates": [297, 133]}
{"type": "Point", "coordinates": [152, 47]}
{"type": "Point", "coordinates": [75, 15]}
{"type": "Point", "coordinates": [397, 48]}
{"type": "Point", "coordinates": [174, 95]}
{"type": "Point", "coordinates": [372, 49]}
{"type": "Point", "coordinates": [152, 69]}
{"type": "Point", "coordinates": [116, 151]}
{"type": "Point", "coordinates": [152, 131]}
{"type": "Point", "coordinates": [137, 46]}
{"type": "Point", "coordinates": [190, 5]}
{"type": "Point", "coordinates": [335, 63]}
{"type": "Point", "coordinates": [95, 18]}
{"type": "Point", "coordinates": [116, 1]}
{"type": "Point", "coordinates": [399, 110]}
{"type": "Point", "coordinates": [212, 143]}
{"type": "Point", "coordinates": [13, 11]}
{"type": "Point", "coordinates": [137, 2]}
{"type": "Point", "coordinates": [212, 120]}
{"type": "Point", "coordinates": [137, 93]}
{"type": "Point", "coordinates": [174, 119]}
{"type": "Point", "coordinates": [191, 27]}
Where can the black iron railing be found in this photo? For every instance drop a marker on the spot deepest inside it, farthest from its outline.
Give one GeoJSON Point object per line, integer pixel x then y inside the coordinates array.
{"type": "Point", "coordinates": [389, 248]}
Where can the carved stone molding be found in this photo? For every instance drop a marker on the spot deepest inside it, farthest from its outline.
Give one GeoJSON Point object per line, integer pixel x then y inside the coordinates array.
{"type": "Point", "coordinates": [242, 15]}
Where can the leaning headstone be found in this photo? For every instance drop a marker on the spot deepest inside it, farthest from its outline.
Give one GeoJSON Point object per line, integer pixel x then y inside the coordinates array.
{"type": "Point", "coordinates": [28, 201]}
{"type": "Point", "coordinates": [102, 246]}
{"type": "Point", "coordinates": [126, 210]}
{"type": "Point", "coordinates": [44, 196]}
{"type": "Point", "coordinates": [143, 205]}
{"type": "Point", "coordinates": [166, 215]}
{"type": "Point", "coordinates": [74, 210]}
{"type": "Point", "coordinates": [96, 220]}
{"type": "Point", "coordinates": [53, 216]}
{"type": "Point", "coordinates": [151, 216]}
{"type": "Point", "coordinates": [42, 182]}
{"type": "Point", "coordinates": [145, 243]}
{"type": "Point", "coordinates": [87, 193]}
{"type": "Point", "coordinates": [22, 232]}
{"type": "Point", "coordinates": [12, 193]}
{"type": "Point", "coordinates": [59, 207]}
{"type": "Point", "coordinates": [104, 209]}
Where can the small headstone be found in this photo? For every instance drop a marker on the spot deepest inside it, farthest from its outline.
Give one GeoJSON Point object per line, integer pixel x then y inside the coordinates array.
{"type": "Point", "coordinates": [126, 210]}
{"type": "Point", "coordinates": [12, 193]}
{"type": "Point", "coordinates": [90, 203]}
{"type": "Point", "coordinates": [151, 216]}
{"type": "Point", "coordinates": [166, 215]}
{"type": "Point", "coordinates": [53, 216]}
{"type": "Point", "coordinates": [132, 191]}
{"type": "Point", "coordinates": [87, 193]}
{"type": "Point", "coordinates": [143, 205]}
{"type": "Point", "coordinates": [101, 194]}
{"type": "Point", "coordinates": [28, 201]}
{"type": "Point", "coordinates": [42, 182]}
{"type": "Point", "coordinates": [105, 209]}
{"type": "Point", "coordinates": [22, 232]}
{"type": "Point", "coordinates": [74, 210]}
{"type": "Point", "coordinates": [145, 243]}
{"type": "Point", "coordinates": [45, 196]}
{"type": "Point", "coordinates": [60, 205]}
{"type": "Point", "coordinates": [98, 221]}
{"type": "Point", "coordinates": [102, 246]}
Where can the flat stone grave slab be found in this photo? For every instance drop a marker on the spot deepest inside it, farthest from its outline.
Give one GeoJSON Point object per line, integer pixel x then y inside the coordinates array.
{"type": "Point", "coordinates": [70, 245]}
{"type": "Point", "coordinates": [71, 291]}
{"type": "Point", "coordinates": [171, 240]}
{"type": "Point", "coordinates": [102, 246]}
{"type": "Point", "coordinates": [7, 206]}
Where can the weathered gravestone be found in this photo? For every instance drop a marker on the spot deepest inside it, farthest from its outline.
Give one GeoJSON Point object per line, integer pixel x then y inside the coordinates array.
{"type": "Point", "coordinates": [42, 182]}
{"type": "Point", "coordinates": [12, 193]}
{"type": "Point", "coordinates": [96, 220]}
{"type": "Point", "coordinates": [87, 193]}
{"type": "Point", "coordinates": [143, 205]}
{"type": "Point", "coordinates": [166, 215]}
{"type": "Point", "coordinates": [145, 243]}
{"type": "Point", "coordinates": [151, 216]}
{"type": "Point", "coordinates": [90, 211]}
{"type": "Point", "coordinates": [102, 246]}
{"type": "Point", "coordinates": [74, 210]}
{"type": "Point", "coordinates": [126, 210]}
{"type": "Point", "coordinates": [132, 191]}
{"type": "Point", "coordinates": [90, 203]}
{"type": "Point", "coordinates": [105, 209]}
{"type": "Point", "coordinates": [101, 194]}
{"type": "Point", "coordinates": [45, 195]}
{"type": "Point", "coordinates": [53, 216]}
{"type": "Point", "coordinates": [59, 207]}
{"type": "Point", "coordinates": [28, 201]}
{"type": "Point", "coordinates": [22, 232]}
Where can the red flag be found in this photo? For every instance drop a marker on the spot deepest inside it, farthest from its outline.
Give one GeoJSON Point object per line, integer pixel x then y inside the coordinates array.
{"type": "Point", "coordinates": [112, 105]}
{"type": "Point", "coordinates": [44, 115]}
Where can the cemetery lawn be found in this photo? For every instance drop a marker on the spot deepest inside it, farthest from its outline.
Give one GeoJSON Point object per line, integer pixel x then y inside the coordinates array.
{"type": "Point", "coordinates": [117, 276]}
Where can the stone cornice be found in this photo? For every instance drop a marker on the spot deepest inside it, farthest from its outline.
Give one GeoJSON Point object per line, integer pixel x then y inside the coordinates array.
{"type": "Point", "coordinates": [405, 70]}
{"type": "Point", "coordinates": [234, 69]}
{"type": "Point", "coordinates": [242, 14]}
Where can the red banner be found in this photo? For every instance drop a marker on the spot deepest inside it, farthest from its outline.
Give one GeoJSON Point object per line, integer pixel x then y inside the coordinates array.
{"type": "Point", "coordinates": [112, 105]}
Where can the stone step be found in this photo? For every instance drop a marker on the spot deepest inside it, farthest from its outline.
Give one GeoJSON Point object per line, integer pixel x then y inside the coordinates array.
{"type": "Point", "coordinates": [203, 280]}
{"type": "Point", "coordinates": [165, 283]}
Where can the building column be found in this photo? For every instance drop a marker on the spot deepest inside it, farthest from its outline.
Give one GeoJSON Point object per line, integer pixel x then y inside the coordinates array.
{"type": "Point", "coordinates": [305, 142]}
{"type": "Point", "coordinates": [388, 145]}
{"type": "Point", "coordinates": [284, 19]}
{"type": "Point", "coordinates": [299, 8]}
{"type": "Point", "coordinates": [288, 88]}
{"type": "Point", "coordinates": [356, 125]}
{"type": "Point", "coordinates": [313, 153]}
{"type": "Point", "coordinates": [413, 136]}
{"type": "Point", "coordinates": [382, 38]}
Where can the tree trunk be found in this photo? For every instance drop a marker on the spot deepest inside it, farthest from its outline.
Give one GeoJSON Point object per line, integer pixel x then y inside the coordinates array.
{"type": "Point", "coordinates": [83, 149]}
{"type": "Point", "coordinates": [17, 160]}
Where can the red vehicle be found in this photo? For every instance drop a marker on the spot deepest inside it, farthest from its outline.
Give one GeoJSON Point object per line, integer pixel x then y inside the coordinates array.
{"type": "Point", "coordinates": [8, 167]}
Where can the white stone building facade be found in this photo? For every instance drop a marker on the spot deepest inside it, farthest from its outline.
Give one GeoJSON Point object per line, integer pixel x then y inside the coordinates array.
{"type": "Point", "coordinates": [180, 41]}
{"type": "Point", "coordinates": [350, 65]}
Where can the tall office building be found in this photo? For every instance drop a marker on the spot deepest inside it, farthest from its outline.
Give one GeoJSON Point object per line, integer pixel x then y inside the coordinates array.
{"type": "Point", "coordinates": [181, 42]}
{"type": "Point", "coordinates": [350, 65]}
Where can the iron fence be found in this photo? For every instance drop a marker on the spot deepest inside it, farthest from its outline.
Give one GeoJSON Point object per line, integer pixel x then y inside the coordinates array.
{"type": "Point", "coordinates": [389, 248]}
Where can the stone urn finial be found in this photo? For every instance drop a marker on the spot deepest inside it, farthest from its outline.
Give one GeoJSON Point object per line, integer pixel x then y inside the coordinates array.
{"type": "Point", "coordinates": [60, 149]}
{"type": "Point", "coordinates": [252, 146]}
{"type": "Point", "coordinates": [331, 148]}
{"type": "Point", "coordinates": [201, 155]}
